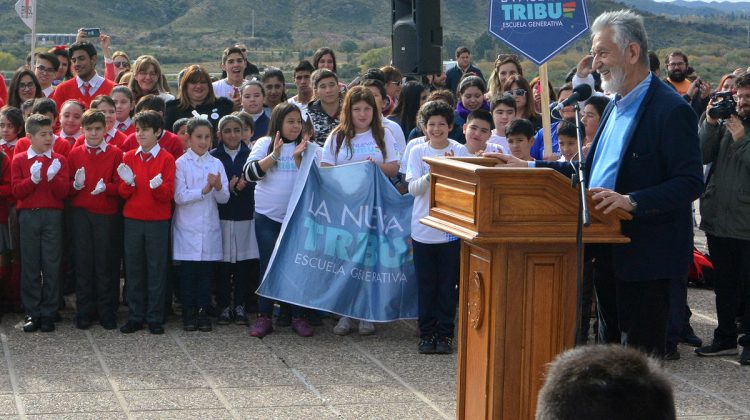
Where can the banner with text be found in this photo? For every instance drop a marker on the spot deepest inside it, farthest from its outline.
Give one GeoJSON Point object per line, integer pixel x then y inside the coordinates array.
{"type": "Point", "coordinates": [345, 245]}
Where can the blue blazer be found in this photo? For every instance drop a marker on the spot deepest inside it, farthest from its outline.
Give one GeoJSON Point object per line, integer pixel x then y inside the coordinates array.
{"type": "Point", "coordinates": [661, 170]}
{"type": "Point", "coordinates": [241, 204]}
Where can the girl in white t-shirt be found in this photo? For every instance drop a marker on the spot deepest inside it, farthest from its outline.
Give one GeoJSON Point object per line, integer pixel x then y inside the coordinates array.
{"type": "Point", "coordinates": [274, 164]}
{"type": "Point", "coordinates": [436, 254]}
{"type": "Point", "coordinates": [360, 137]}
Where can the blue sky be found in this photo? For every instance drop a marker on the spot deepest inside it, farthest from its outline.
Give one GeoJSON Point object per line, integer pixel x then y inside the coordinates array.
{"type": "Point", "coordinates": [711, 1]}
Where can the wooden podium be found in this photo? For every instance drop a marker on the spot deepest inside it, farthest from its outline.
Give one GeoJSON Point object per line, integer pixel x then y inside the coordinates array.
{"type": "Point", "coordinates": [518, 293]}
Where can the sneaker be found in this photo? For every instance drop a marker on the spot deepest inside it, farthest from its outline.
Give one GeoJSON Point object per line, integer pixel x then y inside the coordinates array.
{"type": "Point", "coordinates": [716, 349]}
{"type": "Point", "coordinates": [426, 345]}
{"type": "Point", "coordinates": [155, 328]}
{"type": "Point", "coordinates": [108, 323]}
{"type": "Point", "coordinates": [204, 322]}
{"type": "Point", "coordinates": [262, 327]}
{"type": "Point", "coordinates": [672, 354]}
{"type": "Point", "coordinates": [301, 327]}
{"type": "Point", "coordinates": [131, 327]}
{"type": "Point", "coordinates": [47, 324]}
{"type": "Point", "coordinates": [31, 324]}
{"type": "Point", "coordinates": [745, 356]}
{"type": "Point", "coordinates": [366, 328]}
{"type": "Point", "coordinates": [343, 327]}
{"type": "Point", "coordinates": [188, 320]}
{"type": "Point", "coordinates": [240, 317]}
{"type": "Point", "coordinates": [313, 318]}
{"type": "Point", "coordinates": [688, 337]}
{"type": "Point", "coordinates": [225, 318]}
{"type": "Point", "coordinates": [444, 345]}
{"type": "Point", "coordinates": [83, 322]}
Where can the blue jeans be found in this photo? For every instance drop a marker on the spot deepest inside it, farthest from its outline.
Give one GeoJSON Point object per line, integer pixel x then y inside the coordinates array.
{"type": "Point", "coordinates": [437, 267]}
{"type": "Point", "coordinates": [267, 232]}
{"type": "Point", "coordinates": [195, 284]}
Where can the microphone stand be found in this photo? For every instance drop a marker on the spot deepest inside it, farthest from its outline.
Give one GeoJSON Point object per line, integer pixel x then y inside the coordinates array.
{"type": "Point", "coordinates": [579, 179]}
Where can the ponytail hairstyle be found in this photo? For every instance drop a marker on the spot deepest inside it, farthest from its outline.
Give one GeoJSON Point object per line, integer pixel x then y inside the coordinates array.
{"type": "Point", "coordinates": [345, 131]}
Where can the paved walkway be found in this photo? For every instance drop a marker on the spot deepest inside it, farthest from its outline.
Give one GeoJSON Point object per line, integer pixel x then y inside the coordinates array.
{"type": "Point", "coordinates": [226, 374]}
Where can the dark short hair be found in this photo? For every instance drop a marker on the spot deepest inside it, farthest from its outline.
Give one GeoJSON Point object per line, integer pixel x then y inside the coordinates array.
{"type": "Point", "coordinates": [83, 45]}
{"type": "Point", "coordinates": [483, 115]}
{"type": "Point", "coordinates": [149, 119]}
{"type": "Point", "coordinates": [653, 61]}
{"type": "Point", "coordinates": [229, 51]}
{"type": "Point", "coordinates": [599, 102]}
{"type": "Point", "coordinates": [443, 95]}
{"type": "Point", "coordinates": [272, 72]}
{"type": "Point", "coordinates": [15, 116]}
{"type": "Point", "coordinates": [92, 116]}
{"type": "Point", "coordinates": [377, 84]}
{"type": "Point", "coordinates": [506, 100]}
{"type": "Point", "coordinates": [44, 106]}
{"type": "Point", "coordinates": [321, 74]}
{"type": "Point", "coordinates": [605, 382]}
{"type": "Point", "coordinates": [460, 50]}
{"type": "Point", "coordinates": [150, 102]}
{"type": "Point", "coordinates": [35, 122]}
{"type": "Point", "coordinates": [742, 81]}
{"type": "Point", "coordinates": [245, 118]}
{"type": "Point", "coordinates": [520, 126]}
{"type": "Point", "coordinates": [677, 53]}
{"type": "Point", "coordinates": [435, 108]}
{"type": "Point", "coordinates": [563, 88]}
{"type": "Point", "coordinates": [196, 122]}
{"type": "Point", "coordinates": [179, 123]}
{"type": "Point", "coordinates": [566, 128]}
{"type": "Point", "coordinates": [374, 74]}
{"type": "Point", "coordinates": [52, 58]}
{"type": "Point", "coordinates": [303, 65]}
{"type": "Point", "coordinates": [102, 99]}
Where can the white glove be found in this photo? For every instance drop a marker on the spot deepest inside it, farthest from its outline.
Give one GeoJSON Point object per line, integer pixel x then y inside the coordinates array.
{"type": "Point", "coordinates": [126, 174]}
{"type": "Point", "coordinates": [155, 182]}
{"type": "Point", "coordinates": [100, 187]}
{"type": "Point", "coordinates": [79, 179]}
{"type": "Point", "coordinates": [53, 169]}
{"type": "Point", "coordinates": [36, 176]}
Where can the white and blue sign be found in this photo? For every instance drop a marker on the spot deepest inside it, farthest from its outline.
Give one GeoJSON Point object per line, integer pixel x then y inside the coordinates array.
{"type": "Point", "coordinates": [345, 245]}
{"type": "Point", "coordinates": [538, 29]}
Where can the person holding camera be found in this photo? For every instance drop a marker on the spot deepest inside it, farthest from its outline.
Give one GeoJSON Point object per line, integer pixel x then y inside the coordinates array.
{"type": "Point", "coordinates": [725, 212]}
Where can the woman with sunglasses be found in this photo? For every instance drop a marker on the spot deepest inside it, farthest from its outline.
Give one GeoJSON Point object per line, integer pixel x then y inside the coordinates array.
{"type": "Point", "coordinates": [114, 64]}
{"type": "Point", "coordinates": [506, 65]}
{"type": "Point", "coordinates": [519, 88]}
{"type": "Point", "coordinates": [393, 86]}
{"type": "Point", "coordinates": [23, 87]}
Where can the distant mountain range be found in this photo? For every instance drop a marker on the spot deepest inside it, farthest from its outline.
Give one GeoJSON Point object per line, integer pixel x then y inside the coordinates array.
{"type": "Point", "coordinates": [689, 8]}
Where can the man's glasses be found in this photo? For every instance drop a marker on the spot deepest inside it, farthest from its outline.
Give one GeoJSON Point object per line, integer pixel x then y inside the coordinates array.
{"type": "Point", "coordinates": [41, 69]}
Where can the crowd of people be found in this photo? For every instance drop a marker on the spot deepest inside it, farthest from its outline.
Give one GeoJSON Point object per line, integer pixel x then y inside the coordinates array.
{"type": "Point", "coordinates": [187, 190]}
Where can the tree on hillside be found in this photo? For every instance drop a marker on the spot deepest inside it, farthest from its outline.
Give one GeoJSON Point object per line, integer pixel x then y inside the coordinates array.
{"type": "Point", "coordinates": [348, 46]}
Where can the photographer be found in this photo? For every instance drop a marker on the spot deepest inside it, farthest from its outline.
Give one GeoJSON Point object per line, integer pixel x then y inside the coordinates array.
{"type": "Point", "coordinates": [725, 210]}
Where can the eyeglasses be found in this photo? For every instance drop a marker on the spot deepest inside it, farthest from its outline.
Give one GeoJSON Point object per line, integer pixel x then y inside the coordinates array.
{"type": "Point", "coordinates": [244, 50]}
{"type": "Point", "coordinates": [673, 65]}
{"type": "Point", "coordinates": [25, 86]}
{"type": "Point", "coordinates": [121, 64]}
{"type": "Point", "coordinates": [503, 57]}
{"type": "Point", "coordinates": [396, 83]}
{"type": "Point", "coordinates": [41, 69]}
{"type": "Point", "coordinates": [517, 92]}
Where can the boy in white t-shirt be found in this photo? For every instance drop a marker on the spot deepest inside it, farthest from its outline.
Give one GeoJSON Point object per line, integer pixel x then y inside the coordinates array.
{"type": "Point", "coordinates": [436, 254]}
{"type": "Point", "coordinates": [503, 109]}
{"type": "Point", "coordinates": [233, 62]}
{"type": "Point", "coordinates": [477, 131]}
{"type": "Point", "coordinates": [567, 140]}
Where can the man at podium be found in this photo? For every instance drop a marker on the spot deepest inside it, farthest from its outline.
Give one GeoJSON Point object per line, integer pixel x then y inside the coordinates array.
{"type": "Point", "coordinates": [645, 159]}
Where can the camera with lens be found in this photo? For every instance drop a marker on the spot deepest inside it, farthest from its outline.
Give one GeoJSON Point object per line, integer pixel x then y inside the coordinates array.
{"type": "Point", "coordinates": [724, 105]}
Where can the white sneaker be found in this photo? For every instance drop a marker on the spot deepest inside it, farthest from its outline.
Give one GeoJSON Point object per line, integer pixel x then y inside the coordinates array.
{"type": "Point", "coordinates": [366, 328]}
{"type": "Point", "coordinates": [343, 327]}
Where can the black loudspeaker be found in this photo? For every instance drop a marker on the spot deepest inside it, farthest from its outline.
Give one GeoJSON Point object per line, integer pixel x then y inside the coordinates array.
{"type": "Point", "coordinates": [417, 39]}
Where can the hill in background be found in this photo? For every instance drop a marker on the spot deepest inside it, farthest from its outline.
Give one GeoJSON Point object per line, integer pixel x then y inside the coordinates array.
{"type": "Point", "coordinates": [180, 31]}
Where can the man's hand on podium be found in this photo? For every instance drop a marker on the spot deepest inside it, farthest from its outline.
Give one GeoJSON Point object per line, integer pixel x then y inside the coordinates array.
{"type": "Point", "coordinates": [508, 161]}
{"type": "Point", "coordinates": [609, 200]}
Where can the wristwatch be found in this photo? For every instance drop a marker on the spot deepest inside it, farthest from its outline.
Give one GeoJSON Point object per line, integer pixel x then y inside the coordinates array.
{"type": "Point", "coordinates": [632, 203]}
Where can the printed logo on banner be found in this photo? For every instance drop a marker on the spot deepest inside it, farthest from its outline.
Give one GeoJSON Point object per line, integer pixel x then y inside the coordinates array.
{"type": "Point", "coordinates": [538, 29]}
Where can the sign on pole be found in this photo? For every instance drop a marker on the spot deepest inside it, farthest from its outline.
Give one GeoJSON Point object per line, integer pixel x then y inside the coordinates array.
{"type": "Point", "coordinates": [538, 29]}
{"type": "Point", "coordinates": [26, 10]}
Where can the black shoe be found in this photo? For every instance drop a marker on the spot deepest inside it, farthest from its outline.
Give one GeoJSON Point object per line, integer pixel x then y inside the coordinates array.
{"type": "Point", "coordinates": [83, 322]}
{"type": "Point", "coordinates": [672, 354]}
{"type": "Point", "coordinates": [717, 349]}
{"type": "Point", "coordinates": [204, 322]}
{"type": "Point", "coordinates": [155, 328]}
{"type": "Point", "coordinates": [426, 345]}
{"type": "Point", "coordinates": [688, 337]}
{"type": "Point", "coordinates": [188, 320]}
{"type": "Point", "coordinates": [47, 324]}
{"type": "Point", "coordinates": [225, 317]}
{"type": "Point", "coordinates": [131, 327]}
{"type": "Point", "coordinates": [313, 319]}
{"type": "Point", "coordinates": [57, 317]}
{"type": "Point", "coordinates": [31, 324]}
{"type": "Point", "coordinates": [444, 345]}
{"type": "Point", "coordinates": [285, 316]}
{"type": "Point", "coordinates": [108, 323]}
{"type": "Point", "coordinates": [745, 356]}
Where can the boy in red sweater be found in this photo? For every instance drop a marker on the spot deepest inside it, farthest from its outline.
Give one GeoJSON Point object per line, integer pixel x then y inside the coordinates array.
{"type": "Point", "coordinates": [167, 140]}
{"type": "Point", "coordinates": [147, 185]}
{"type": "Point", "coordinates": [40, 184]}
{"type": "Point", "coordinates": [94, 201]}
{"type": "Point", "coordinates": [48, 108]}
{"type": "Point", "coordinates": [87, 84]}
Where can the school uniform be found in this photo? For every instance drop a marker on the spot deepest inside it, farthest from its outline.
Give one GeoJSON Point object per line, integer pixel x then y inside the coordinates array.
{"type": "Point", "coordinates": [59, 145]}
{"type": "Point", "coordinates": [114, 137]}
{"type": "Point", "coordinates": [168, 141]}
{"type": "Point", "coordinates": [84, 92]}
{"type": "Point", "coordinates": [147, 213]}
{"type": "Point", "coordinates": [239, 244]}
{"type": "Point", "coordinates": [93, 218]}
{"type": "Point", "coordinates": [40, 218]}
{"type": "Point", "coordinates": [126, 127]}
{"type": "Point", "coordinates": [195, 227]}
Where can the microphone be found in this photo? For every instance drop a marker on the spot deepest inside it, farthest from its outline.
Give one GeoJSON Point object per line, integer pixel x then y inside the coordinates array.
{"type": "Point", "coordinates": [580, 93]}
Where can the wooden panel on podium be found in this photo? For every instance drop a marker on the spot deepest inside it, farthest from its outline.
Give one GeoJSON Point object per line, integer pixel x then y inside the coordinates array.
{"type": "Point", "coordinates": [517, 304]}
